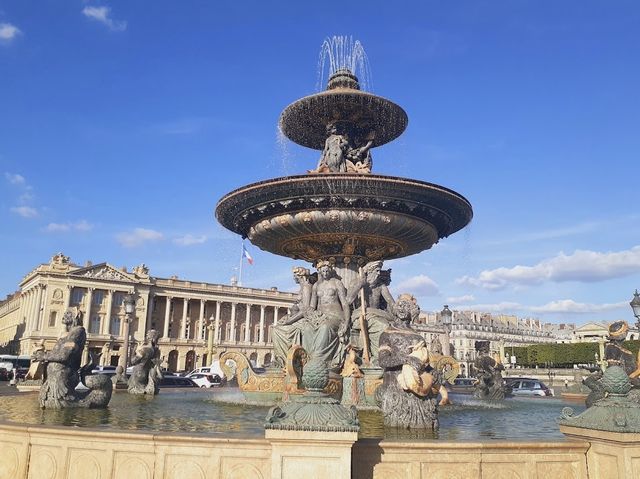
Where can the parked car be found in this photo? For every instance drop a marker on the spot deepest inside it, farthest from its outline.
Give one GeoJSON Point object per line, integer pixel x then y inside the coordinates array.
{"type": "Point", "coordinates": [4, 374]}
{"type": "Point", "coordinates": [528, 387]}
{"type": "Point", "coordinates": [177, 382]}
{"type": "Point", "coordinates": [462, 385]}
{"type": "Point", "coordinates": [108, 370]}
{"type": "Point", "coordinates": [206, 380]}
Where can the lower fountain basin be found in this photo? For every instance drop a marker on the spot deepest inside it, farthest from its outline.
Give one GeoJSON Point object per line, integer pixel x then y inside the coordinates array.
{"type": "Point", "coordinates": [223, 413]}
{"type": "Point", "coordinates": [344, 216]}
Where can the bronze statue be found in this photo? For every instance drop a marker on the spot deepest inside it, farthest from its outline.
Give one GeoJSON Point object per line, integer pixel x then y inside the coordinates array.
{"type": "Point", "coordinates": [288, 331]}
{"type": "Point", "coordinates": [333, 158]}
{"type": "Point", "coordinates": [326, 329]}
{"type": "Point", "coordinates": [615, 354]}
{"type": "Point", "coordinates": [63, 372]}
{"type": "Point", "coordinates": [146, 375]}
{"type": "Point", "coordinates": [489, 384]}
{"type": "Point", "coordinates": [409, 399]}
{"type": "Point", "coordinates": [371, 298]}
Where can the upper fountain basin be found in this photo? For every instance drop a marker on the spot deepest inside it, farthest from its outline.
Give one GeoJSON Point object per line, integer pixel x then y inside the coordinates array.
{"type": "Point", "coordinates": [363, 217]}
{"type": "Point", "coordinates": [305, 120]}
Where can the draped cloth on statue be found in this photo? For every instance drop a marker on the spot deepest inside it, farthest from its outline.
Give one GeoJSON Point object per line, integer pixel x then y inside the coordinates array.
{"type": "Point", "coordinates": [320, 337]}
{"type": "Point", "coordinates": [376, 321]}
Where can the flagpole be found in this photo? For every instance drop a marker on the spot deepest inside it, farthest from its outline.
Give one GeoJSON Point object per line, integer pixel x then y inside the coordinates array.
{"type": "Point", "coordinates": [241, 260]}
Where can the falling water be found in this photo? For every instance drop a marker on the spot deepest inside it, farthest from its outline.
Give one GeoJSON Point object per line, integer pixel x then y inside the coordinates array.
{"type": "Point", "coordinates": [342, 52]}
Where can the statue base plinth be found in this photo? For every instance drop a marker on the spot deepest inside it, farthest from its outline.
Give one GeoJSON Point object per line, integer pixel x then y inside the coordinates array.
{"type": "Point", "coordinates": [313, 411]}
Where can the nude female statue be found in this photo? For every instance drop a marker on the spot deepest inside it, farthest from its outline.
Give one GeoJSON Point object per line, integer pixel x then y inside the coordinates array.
{"type": "Point", "coordinates": [325, 332]}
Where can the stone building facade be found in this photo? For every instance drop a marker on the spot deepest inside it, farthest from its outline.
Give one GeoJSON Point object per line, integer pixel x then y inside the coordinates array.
{"type": "Point", "coordinates": [501, 330]}
{"type": "Point", "coordinates": [184, 312]}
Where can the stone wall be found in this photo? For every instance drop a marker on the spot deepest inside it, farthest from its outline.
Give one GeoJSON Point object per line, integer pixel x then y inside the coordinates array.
{"type": "Point", "coordinates": [57, 453]}
{"type": "Point", "coordinates": [38, 452]}
{"type": "Point", "coordinates": [469, 460]}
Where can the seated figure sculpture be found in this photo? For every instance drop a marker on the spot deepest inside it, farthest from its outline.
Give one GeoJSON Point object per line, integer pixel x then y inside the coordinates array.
{"type": "Point", "coordinates": [489, 382]}
{"type": "Point", "coordinates": [615, 354]}
{"type": "Point", "coordinates": [63, 371]}
{"type": "Point", "coordinates": [147, 374]}
{"type": "Point", "coordinates": [378, 302]}
{"type": "Point", "coordinates": [341, 154]}
{"type": "Point", "coordinates": [318, 321]}
{"type": "Point", "coordinates": [288, 331]}
{"type": "Point", "coordinates": [408, 396]}
{"type": "Point", "coordinates": [336, 147]}
{"type": "Point", "coordinates": [326, 327]}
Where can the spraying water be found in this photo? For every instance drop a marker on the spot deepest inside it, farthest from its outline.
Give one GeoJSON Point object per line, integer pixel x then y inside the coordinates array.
{"type": "Point", "coordinates": [341, 52]}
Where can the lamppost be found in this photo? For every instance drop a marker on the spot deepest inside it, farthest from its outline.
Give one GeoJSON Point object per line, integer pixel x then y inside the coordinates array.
{"type": "Point", "coordinates": [211, 332]}
{"type": "Point", "coordinates": [635, 306]}
{"type": "Point", "coordinates": [129, 309]}
{"type": "Point", "coordinates": [446, 317]}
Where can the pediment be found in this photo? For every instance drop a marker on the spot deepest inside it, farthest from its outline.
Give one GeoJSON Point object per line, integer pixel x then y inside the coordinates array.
{"type": "Point", "coordinates": [592, 327]}
{"type": "Point", "coordinates": [104, 271]}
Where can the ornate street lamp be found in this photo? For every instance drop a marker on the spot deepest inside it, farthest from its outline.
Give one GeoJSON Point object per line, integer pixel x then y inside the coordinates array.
{"type": "Point", "coordinates": [446, 316]}
{"type": "Point", "coordinates": [129, 310]}
{"type": "Point", "coordinates": [635, 306]}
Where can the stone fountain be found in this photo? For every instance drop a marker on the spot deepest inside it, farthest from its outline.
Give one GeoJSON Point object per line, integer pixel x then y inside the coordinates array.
{"type": "Point", "coordinates": [342, 216]}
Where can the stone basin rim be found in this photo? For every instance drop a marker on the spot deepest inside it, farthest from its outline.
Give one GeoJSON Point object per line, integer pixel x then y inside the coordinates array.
{"type": "Point", "coordinates": [338, 187]}
{"type": "Point", "coordinates": [343, 176]}
{"type": "Point", "coordinates": [315, 139]}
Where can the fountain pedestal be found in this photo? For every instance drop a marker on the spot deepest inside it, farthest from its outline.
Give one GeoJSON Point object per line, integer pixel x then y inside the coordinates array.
{"type": "Point", "coordinates": [296, 454]}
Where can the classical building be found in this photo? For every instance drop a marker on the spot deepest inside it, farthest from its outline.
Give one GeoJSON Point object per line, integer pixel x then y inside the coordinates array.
{"type": "Point", "coordinates": [502, 331]}
{"type": "Point", "coordinates": [184, 312]}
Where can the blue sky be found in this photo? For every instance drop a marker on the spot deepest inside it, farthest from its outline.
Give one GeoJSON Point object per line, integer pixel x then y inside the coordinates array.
{"type": "Point", "coordinates": [123, 123]}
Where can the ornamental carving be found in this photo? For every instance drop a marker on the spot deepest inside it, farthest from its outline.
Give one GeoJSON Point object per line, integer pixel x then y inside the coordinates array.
{"type": "Point", "coordinates": [105, 272]}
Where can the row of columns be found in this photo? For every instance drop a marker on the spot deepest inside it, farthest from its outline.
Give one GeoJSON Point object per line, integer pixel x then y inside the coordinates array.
{"type": "Point", "coordinates": [33, 307]}
{"type": "Point", "coordinates": [215, 319]}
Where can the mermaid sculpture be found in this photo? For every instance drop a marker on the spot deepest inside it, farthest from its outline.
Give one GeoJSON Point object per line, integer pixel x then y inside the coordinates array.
{"type": "Point", "coordinates": [615, 354]}
{"type": "Point", "coordinates": [408, 392]}
{"type": "Point", "coordinates": [146, 374]}
{"type": "Point", "coordinates": [63, 372]}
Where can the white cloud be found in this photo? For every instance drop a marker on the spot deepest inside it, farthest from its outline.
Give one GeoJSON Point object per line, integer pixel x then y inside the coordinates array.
{"type": "Point", "coordinates": [25, 211]}
{"type": "Point", "coordinates": [467, 298]}
{"type": "Point", "coordinates": [582, 265]}
{"type": "Point", "coordinates": [188, 240]}
{"type": "Point", "coordinates": [82, 225]}
{"type": "Point", "coordinates": [57, 227]}
{"type": "Point", "coordinates": [101, 14]}
{"type": "Point", "coordinates": [570, 306]}
{"type": "Point", "coordinates": [14, 178]}
{"type": "Point", "coordinates": [8, 32]}
{"type": "Point", "coordinates": [420, 285]}
{"type": "Point", "coordinates": [131, 239]}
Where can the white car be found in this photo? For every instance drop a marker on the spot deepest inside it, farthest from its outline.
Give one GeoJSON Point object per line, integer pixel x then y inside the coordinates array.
{"type": "Point", "coordinates": [204, 380]}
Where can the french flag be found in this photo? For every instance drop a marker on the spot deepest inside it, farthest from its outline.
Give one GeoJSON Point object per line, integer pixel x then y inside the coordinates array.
{"type": "Point", "coordinates": [246, 254]}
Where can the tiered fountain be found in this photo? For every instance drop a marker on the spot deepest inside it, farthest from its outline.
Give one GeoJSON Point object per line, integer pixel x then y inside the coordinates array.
{"type": "Point", "coordinates": [339, 213]}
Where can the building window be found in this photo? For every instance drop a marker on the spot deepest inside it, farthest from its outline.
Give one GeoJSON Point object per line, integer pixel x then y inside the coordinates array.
{"type": "Point", "coordinates": [77, 295]}
{"type": "Point", "coordinates": [98, 296]}
{"type": "Point", "coordinates": [94, 325]}
{"type": "Point", "coordinates": [118, 299]}
{"type": "Point", "coordinates": [114, 327]}
{"type": "Point", "coordinates": [52, 318]}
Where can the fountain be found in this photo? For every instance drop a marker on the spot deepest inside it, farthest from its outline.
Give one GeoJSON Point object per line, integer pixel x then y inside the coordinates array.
{"type": "Point", "coordinates": [346, 221]}
{"type": "Point", "coordinates": [340, 213]}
